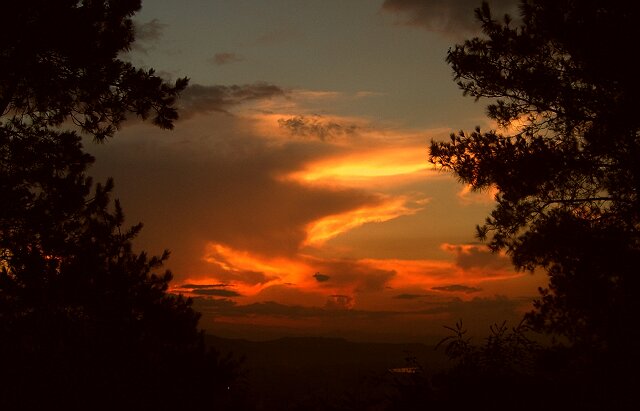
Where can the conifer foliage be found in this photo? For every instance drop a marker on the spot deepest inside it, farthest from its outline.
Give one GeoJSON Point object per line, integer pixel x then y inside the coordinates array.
{"type": "Point", "coordinates": [85, 322]}
{"type": "Point", "coordinates": [565, 164]}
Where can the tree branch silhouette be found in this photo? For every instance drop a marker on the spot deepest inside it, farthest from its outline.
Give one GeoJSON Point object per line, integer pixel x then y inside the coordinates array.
{"type": "Point", "coordinates": [564, 162]}
{"type": "Point", "coordinates": [85, 322]}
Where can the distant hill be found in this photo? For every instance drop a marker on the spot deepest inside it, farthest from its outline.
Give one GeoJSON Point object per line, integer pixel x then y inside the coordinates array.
{"type": "Point", "coordinates": [292, 371]}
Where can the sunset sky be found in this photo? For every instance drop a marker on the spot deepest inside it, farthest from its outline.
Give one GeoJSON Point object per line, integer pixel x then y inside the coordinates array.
{"type": "Point", "coordinates": [295, 193]}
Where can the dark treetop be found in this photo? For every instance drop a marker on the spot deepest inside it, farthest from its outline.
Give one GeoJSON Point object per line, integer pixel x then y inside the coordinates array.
{"type": "Point", "coordinates": [568, 177]}
{"type": "Point", "coordinates": [59, 61]}
{"type": "Point", "coordinates": [85, 322]}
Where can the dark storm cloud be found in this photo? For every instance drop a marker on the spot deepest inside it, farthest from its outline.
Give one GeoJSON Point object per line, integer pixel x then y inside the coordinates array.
{"type": "Point", "coordinates": [202, 286]}
{"type": "Point", "coordinates": [477, 257]}
{"type": "Point", "coordinates": [220, 59]}
{"type": "Point", "coordinates": [203, 99]}
{"type": "Point", "coordinates": [216, 292]}
{"type": "Point", "coordinates": [246, 276]}
{"type": "Point", "coordinates": [362, 277]}
{"type": "Point", "coordinates": [410, 296]}
{"type": "Point", "coordinates": [445, 16]}
{"type": "Point", "coordinates": [339, 302]}
{"type": "Point", "coordinates": [321, 277]}
{"type": "Point", "coordinates": [457, 288]}
{"type": "Point", "coordinates": [316, 127]}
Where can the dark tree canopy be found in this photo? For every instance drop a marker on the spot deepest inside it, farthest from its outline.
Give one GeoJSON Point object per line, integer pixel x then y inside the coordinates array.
{"type": "Point", "coordinates": [82, 316]}
{"type": "Point", "coordinates": [59, 61]}
{"type": "Point", "coordinates": [567, 168]}
{"type": "Point", "coordinates": [85, 322]}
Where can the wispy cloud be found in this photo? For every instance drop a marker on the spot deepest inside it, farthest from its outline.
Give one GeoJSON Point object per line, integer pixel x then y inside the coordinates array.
{"type": "Point", "coordinates": [252, 214]}
{"type": "Point", "coordinates": [316, 127]}
{"type": "Point", "coordinates": [344, 275]}
{"type": "Point", "coordinates": [212, 290]}
{"type": "Point", "coordinates": [478, 257]}
{"type": "Point", "coordinates": [198, 99]}
{"type": "Point", "coordinates": [453, 18]}
{"type": "Point", "coordinates": [325, 228]}
{"type": "Point", "coordinates": [216, 292]}
{"type": "Point", "coordinates": [407, 296]}
{"type": "Point", "coordinates": [368, 166]}
{"type": "Point", "coordinates": [201, 286]}
{"type": "Point", "coordinates": [221, 59]}
{"type": "Point", "coordinates": [457, 288]}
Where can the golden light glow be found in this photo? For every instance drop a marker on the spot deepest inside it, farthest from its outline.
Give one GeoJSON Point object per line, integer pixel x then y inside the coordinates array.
{"type": "Point", "coordinates": [426, 274]}
{"type": "Point", "coordinates": [517, 125]}
{"type": "Point", "coordinates": [361, 157]}
{"type": "Point", "coordinates": [328, 227]}
{"type": "Point", "coordinates": [296, 275]}
{"type": "Point", "coordinates": [468, 196]}
{"type": "Point", "coordinates": [368, 167]}
{"type": "Point", "coordinates": [282, 270]}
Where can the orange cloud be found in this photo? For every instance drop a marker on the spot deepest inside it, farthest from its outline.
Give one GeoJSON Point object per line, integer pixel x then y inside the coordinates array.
{"type": "Point", "coordinates": [244, 274]}
{"type": "Point", "coordinates": [237, 270]}
{"type": "Point", "coordinates": [367, 168]}
{"type": "Point", "coordinates": [295, 116]}
{"type": "Point", "coordinates": [430, 274]}
{"type": "Point", "coordinates": [278, 270]}
{"type": "Point", "coordinates": [468, 196]}
{"type": "Point", "coordinates": [477, 257]}
{"type": "Point", "coordinates": [318, 232]}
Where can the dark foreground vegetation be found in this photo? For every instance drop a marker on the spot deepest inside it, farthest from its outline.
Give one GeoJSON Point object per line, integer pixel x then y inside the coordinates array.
{"type": "Point", "coordinates": [567, 174]}
{"type": "Point", "coordinates": [87, 323]}
{"type": "Point", "coordinates": [310, 373]}
{"type": "Point", "coordinates": [506, 370]}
